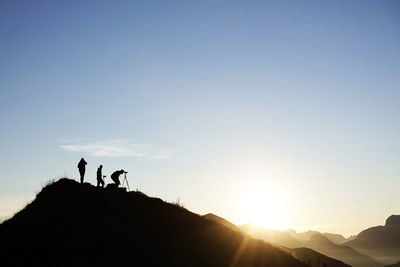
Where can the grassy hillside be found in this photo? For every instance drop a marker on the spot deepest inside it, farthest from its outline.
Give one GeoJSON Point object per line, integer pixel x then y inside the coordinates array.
{"type": "Point", "coordinates": [69, 224]}
{"type": "Point", "coordinates": [222, 221]}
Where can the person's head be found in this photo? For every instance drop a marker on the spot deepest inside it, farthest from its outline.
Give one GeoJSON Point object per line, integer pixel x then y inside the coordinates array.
{"type": "Point", "coordinates": [82, 159]}
{"type": "Point", "coordinates": [122, 171]}
{"type": "Point", "coordinates": [101, 167]}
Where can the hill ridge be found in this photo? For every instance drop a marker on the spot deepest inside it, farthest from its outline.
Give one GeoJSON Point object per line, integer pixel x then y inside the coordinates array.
{"type": "Point", "coordinates": [70, 224]}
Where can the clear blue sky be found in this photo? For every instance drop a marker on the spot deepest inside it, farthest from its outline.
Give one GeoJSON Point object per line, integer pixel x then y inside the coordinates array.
{"type": "Point", "coordinates": [208, 102]}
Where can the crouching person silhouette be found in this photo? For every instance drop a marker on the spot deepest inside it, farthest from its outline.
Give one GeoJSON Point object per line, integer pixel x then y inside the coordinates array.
{"type": "Point", "coordinates": [82, 167]}
{"type": "Point", "coordinates": [100, 180]}
{"type": "Point", "coordinates": [115, 177]}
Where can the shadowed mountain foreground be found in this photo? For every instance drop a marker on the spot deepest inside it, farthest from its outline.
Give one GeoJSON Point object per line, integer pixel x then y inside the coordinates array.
{"type": "Point", "coordinates": [316, 259]}
{"type": "Point", "coordinates": [69, 224]}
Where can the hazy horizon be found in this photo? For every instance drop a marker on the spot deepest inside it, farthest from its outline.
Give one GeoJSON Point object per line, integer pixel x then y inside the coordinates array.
{"type": "Point", "coordinates": [284, 113]}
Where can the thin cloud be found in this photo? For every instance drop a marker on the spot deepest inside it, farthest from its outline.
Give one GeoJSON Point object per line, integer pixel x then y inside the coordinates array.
{"type": "Point", "coordinates": [119, 148]}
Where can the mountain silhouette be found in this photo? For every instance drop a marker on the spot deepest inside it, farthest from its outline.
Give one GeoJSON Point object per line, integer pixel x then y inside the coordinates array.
{"type": "Point", "coordinates": [316, 259]}
{"type": "Point", "coordinates": [335, 238]}
{"type": "Point", "coordinates": [346, 254]}
{"type": "Point", "coordinates": [222, 221]}
{"type": "Point", "coordinates": [72, 224]}
{"type": "Point", "coordinates": [309, 256]}
{"type": "Point", "coordinates": [380, 242]}
{"type": "Point", "coordinates": [277, 237]}
{"type": "Point", "coordinates": [317, 241]}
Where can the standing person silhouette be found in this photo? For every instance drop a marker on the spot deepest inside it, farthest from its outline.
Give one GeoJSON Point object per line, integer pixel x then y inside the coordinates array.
{"type": "Point", "coordinates": [100, 180]}
{"type": "Point", "coordinates": [115, 177]}
{"type": "Point", "coordinates": [82, 167]}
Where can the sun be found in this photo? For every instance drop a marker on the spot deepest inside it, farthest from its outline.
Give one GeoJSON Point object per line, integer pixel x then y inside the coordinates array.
{"type": "Point", "coordinates": [264, 208]}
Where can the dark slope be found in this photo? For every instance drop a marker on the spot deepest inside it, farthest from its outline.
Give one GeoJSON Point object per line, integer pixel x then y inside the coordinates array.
{"type": "Point", "coordinates": [380, 242]}
{"type": "Point", "coordinates": [69, 224]}
{"type": "Point", "coordinates": [316, 259]}
{"type": "Point", "coordinates": [222, 221]}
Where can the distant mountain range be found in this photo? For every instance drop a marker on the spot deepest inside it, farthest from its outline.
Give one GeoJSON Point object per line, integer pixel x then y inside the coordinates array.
{"type": "Point", "coordinates": [335, 238]}
{"type": "Point", "coordinates": [373, 247]}
{"type": "Point", "coordinates": [309, 256]}
{"type": "Point", "coordinates": [346, 254]}
{"type": "Point", "coordinates": [380, 242]}
{"type": "Point", "coordinates": [314, 240]}
{"type": "Point", "coordinates": [72, 224]}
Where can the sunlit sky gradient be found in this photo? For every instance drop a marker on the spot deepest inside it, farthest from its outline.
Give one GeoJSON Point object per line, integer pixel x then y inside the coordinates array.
{"type": "Point", "coordinates": [234, 107]}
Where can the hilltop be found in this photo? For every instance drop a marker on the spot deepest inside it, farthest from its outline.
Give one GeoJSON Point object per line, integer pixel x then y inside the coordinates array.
{"type": "Point", "coordinates": [70, 224]}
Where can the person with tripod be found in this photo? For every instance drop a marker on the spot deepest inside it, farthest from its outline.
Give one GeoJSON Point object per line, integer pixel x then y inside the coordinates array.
{"type": "Point", "coordinates": [115, 177]}
{"type": "Point", "coordinates": [100, 180]}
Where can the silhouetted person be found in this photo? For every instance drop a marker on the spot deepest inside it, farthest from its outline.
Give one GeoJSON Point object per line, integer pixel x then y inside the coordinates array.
{"type": "Point", "coordinates": [100, 180]}
{"type": "Point", "coordinates": [115, 177]}
{"type": "Point", "coordinates": [82, 168]}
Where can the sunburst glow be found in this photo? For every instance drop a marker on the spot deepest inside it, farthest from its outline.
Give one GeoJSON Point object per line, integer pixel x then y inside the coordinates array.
{"type": "Point", "coordinates": [265, 208]}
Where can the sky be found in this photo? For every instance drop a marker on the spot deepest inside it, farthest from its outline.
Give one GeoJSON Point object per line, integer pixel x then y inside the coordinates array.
{"type": "Point", "coordinates": [285, 113]}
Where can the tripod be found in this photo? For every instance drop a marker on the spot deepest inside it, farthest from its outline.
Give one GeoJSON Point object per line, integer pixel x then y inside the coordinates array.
{"type": "Point", "coordinates": [125, 180]}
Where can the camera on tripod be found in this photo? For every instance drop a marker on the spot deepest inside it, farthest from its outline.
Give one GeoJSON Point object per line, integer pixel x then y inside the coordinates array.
{"type": "Point", "coordinates": [125, 181]}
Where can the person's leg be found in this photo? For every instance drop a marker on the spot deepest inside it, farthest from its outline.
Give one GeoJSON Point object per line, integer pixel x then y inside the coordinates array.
{"type": "Point", "coordinates": [116, 180]}
{"type": "Point", "coordinates": [82, 173]}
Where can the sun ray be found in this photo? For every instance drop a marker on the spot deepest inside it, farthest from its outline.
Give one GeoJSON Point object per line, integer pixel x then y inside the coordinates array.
{"type": "Point", "coordinates": [239, 251]}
